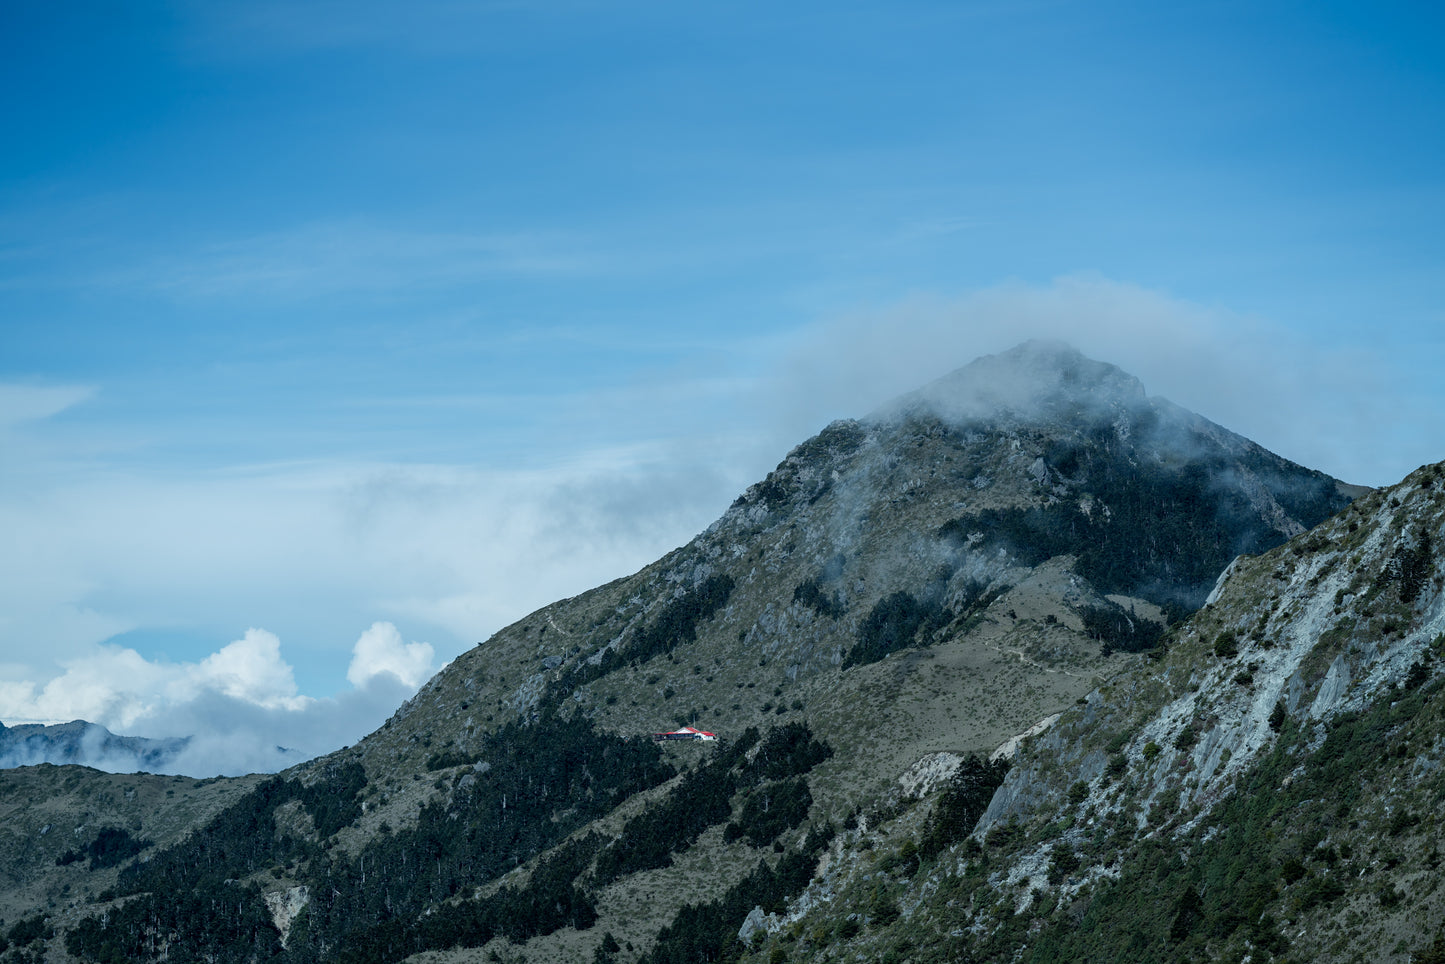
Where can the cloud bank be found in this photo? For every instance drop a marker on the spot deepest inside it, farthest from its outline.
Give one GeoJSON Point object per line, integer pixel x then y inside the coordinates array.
{"type": "Point", "coordinates": [238, 708]}
{"type": "Point", "coordinates": [1345, 406]}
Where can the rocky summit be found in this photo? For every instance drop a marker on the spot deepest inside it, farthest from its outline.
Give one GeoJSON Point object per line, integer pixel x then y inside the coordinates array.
{"type": "Point", "coordinates": [1027, 665]}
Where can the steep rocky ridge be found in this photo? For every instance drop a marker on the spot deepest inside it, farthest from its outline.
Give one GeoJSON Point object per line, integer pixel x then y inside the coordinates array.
{"type": "Point", "coordinates": [1082, 487]}
{"type": "Point", "coordinates": [907, 588]}
{"type": "Point", "coordinates": [1266, 786]}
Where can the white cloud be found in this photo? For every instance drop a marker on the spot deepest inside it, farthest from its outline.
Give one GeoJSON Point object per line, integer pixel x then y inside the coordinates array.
{"type": "Point", "coordinates": [27, 403]}
{"type": "Point", "coordinates": [380, 650]}
{"type": "Point", "coordinates": [308, 551]}
{"type": "Point", "coordinates": [238, 706]}
{"type": "Point", "coordinates": [112, 686]}
{"type": "Point", "coordinates": [230, 736]}
{"type": "Point", "coordinates": [1346, 408]}
{"type": "Point", "coordinates": [251, 670]}
{"type": "Point", "coordinates": [455, 552]}
{"type": "Point", "coordinates": [120, 689]}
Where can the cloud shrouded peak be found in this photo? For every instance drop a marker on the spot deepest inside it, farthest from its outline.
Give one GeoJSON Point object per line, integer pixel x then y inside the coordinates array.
{"type": "Point", "coordinates": [1029, 380]}
{"type": "Point", "coordinates": [380, 650]}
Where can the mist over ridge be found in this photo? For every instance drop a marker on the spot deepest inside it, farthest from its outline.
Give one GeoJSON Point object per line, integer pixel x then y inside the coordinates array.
{"type": "Point", "coordinates": [1042, 393]}
{"type": "Point", "coordinates": [872, 631]}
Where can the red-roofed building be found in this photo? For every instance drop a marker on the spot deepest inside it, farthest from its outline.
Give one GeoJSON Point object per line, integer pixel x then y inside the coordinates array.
{"type": "Point", "coordinates": [686, 733]}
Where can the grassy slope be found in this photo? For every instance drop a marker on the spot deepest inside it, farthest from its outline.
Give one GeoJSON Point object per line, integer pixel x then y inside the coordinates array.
{"type": "Point", "coordinates": [74, 803]}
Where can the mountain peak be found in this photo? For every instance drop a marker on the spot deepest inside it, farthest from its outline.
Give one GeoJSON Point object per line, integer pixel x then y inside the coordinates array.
{"type": "Point", "coordinates": [901, 596]}
{"type": "Point", "coordinates": [1036, 379]}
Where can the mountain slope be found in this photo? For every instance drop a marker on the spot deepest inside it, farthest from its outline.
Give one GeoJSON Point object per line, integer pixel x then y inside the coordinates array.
{"type": "Point", "coordinates": [1040, 511]}
{"type": "Point", "coordinates": [902, 590]}
{"type": "Point", "coordinates": [65, 830]}
{"type": "Point", "coordinates": [1268, 787]}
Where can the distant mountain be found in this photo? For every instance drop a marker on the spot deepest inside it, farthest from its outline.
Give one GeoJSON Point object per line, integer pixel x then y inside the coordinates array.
{"type": "Point", "coordinates": [905, 593]}
{"type": "Point", "coordinates": [87, 744]}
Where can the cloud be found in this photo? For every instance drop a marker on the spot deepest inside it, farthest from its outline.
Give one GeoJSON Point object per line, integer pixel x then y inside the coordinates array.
{"type": "Point", "coordinates": [380, 650]}
{"type": "Point", "coordinates": [119, 689]}
{"type": "Point", "coordinates": [21, 403]}
{"type": "Point", "coordinates": [453, 552]}
{"type": "Point", "coordinates": [337, 257]}
{"type": "Point", "coordinates": [311, 550]}
{"type": "Point", "coordinates": [251, 670]}
{"type": "Point", "coordinates": [238, 708]}
{"type": "Point", "coordinates": [1344, 407]}
{"type": "Point", "coordinates": [230, 736]}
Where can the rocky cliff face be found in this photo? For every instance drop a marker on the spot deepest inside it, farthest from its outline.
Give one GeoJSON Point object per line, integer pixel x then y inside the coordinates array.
{"type": "Point", "coordinates": [902, 591]}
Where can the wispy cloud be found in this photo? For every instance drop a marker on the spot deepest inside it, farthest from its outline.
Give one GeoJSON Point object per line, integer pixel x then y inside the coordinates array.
{"type": "Point", "coordinates": [21, 403]}
{"type": "Point", "coordinates": [314, 551]}
{"type": "Point", "coordinates": [1347, 408]}
{"type": "Point", "coordinates": [313, 548]}
{"type": "Point", "coordinates": [327, 257]}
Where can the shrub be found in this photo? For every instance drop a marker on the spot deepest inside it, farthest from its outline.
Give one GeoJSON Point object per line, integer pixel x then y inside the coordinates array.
{"type": "Point", "coordinates": [891, 625]}
{"type": "Point", "coordinates": [679, 619]}
{"type": "Point", "coordinates": [1120, 630]}
{"type": "Point", "coordinates": [882, 907]}
{"type": "Point", "coordinates": [1064, 863]}
{"type": "Point", "coordinates": [810, 593]}
{"type": "Point", "coordinates": [961, 803]}
{"type": "Point", "coordinates": [788, 750]}
{"type": "Point", "coordinates": [773, 809]}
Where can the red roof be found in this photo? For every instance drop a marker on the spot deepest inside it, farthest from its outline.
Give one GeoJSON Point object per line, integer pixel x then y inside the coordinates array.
{"type": "Point", "coordinates": [687, 732]}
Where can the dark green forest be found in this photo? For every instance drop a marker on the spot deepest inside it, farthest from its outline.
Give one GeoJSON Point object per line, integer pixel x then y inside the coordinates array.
{"type": "Point", "coordinates": [413, 889]}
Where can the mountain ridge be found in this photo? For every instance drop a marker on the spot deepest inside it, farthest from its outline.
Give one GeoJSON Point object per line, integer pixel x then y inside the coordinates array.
{"type": "Point", "coordinates": [85, 743]}
{"type": "Point", "coordinates": [903, 594]}
{"type": "Point", "coordinates": [1267, 788]}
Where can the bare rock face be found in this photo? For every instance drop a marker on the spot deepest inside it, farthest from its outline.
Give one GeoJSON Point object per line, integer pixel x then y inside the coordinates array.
{"type": "Point", "coordinates": [755, 921]}
{"type": "Point", "coordinates": [929, 773]}
{"type": "Point", "coordinates": [284, 906]}
{"type": "Point", "coordinates": [1295, 723]}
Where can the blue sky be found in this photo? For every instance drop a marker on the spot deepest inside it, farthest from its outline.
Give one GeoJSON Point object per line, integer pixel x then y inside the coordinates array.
{"type": "Point", "coordinates": [318, 318]}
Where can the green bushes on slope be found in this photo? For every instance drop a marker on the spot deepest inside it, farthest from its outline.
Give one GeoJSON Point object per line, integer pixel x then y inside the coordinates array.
{"type": "Point", "coordinates": [545, 780]}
